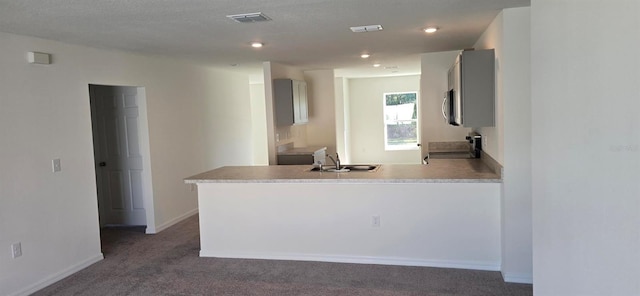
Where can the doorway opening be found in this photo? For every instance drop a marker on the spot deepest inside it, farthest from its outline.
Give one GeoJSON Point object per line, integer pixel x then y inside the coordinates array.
{"type": "Point", "coordinates": [121, 153]}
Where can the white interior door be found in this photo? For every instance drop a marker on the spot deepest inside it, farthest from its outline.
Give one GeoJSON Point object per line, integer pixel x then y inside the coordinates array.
{"type": "Point", "coordinates": [118, 156]}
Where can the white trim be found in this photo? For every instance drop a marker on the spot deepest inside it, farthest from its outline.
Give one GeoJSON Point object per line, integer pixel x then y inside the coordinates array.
{"type": "Point", "coordinates": [519, 278]}
{"type": "Point", "coordinates": [406, 147]}
{"type": "Point", "coordinates": [475, 265]}
{"type": "Point", "coordinates": [58, 276]}
{"type": "Point", "coordinates": [172, 222]}
{"type": "Point", "coordinates": [147, 180]}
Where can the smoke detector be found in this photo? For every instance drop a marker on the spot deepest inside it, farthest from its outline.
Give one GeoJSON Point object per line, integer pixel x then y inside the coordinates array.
{"type": "Point", "coordinates": [249, 17]}
{"type": "Point", "coordinates": [369, 28]}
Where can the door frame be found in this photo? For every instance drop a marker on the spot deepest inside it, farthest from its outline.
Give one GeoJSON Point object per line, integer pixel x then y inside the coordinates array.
{"type": "Point", "coordinates": [143, 135]}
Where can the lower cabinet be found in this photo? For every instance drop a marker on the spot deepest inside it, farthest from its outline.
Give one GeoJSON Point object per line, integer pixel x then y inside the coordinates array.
{"type": "Point", "coordinates": [302, 155]}
{"type": "Point", "coordinates": [295, 159]}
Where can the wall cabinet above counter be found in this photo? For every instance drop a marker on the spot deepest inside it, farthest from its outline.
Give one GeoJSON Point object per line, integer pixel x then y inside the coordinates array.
{"type": "Point", "coordinates": [291, 103]}
{"type": "Point", "coordinates": [470, 99]}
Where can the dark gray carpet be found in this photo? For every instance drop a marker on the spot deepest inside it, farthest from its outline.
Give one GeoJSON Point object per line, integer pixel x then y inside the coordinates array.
{"type": "Point", "coordinates": [168, 264]}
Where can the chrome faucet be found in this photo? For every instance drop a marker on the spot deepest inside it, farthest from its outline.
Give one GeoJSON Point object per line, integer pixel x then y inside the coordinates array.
{"type": "Point", "coordinates": [336, 161]}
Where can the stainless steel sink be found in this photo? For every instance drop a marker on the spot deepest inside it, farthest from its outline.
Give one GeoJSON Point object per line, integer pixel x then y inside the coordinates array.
{"type": "Point", "coordinates": [349, 167]}
{"type": "Point", "coordinates": [362, 167]}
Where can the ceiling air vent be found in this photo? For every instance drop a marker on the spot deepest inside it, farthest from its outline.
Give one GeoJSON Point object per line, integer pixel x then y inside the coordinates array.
{"type": "Point", "coordinates": [249, 17]}
{"type": "Point", "coordinates": [369, 28]}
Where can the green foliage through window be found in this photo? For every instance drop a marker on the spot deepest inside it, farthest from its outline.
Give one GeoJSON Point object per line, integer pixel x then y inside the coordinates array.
{"type": "Point", "coordinates": [402, 98]}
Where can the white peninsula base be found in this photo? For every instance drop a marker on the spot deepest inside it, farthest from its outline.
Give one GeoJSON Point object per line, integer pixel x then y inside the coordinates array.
{"type": "Point", "coordinates": [454, 225]}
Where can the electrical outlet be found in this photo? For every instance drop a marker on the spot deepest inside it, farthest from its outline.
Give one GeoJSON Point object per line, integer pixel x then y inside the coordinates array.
{"type": "Point", "coordinates": [16, 250]}
{"type": "Point", "coordinates": [56, 165]}
{"type": "Point", "coordinates": [277, 137]}
{"type": "Point", "coordinates": [484, 141]}
{"type": "Point", "coordinates": [375, 221]}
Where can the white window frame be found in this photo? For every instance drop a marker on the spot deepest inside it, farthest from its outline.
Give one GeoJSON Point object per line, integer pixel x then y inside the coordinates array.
{"type": "Point", "coordinates": [412, 146]}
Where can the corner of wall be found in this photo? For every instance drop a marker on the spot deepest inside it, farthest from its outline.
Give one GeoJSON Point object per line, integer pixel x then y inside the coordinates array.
{"type": "Point", "coordinates": [271, 126]}
{"type": "Point", "coordinates": [492, 38]}
{"type": "Point", "coordinates": [517, 278]}
{"type": "Point", "coordinates": [509, 141]}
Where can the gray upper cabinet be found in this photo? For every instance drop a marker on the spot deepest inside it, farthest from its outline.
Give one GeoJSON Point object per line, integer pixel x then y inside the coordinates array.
{"type": "Point", "coordinates": [291, 102]}
{"type": "Point", "coordinates": [472, 79]}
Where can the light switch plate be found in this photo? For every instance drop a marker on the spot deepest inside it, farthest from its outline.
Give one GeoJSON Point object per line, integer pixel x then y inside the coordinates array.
{"type": "Point", "coordinates": [16, 250]}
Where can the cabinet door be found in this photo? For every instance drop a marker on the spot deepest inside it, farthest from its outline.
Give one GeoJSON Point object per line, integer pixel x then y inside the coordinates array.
{"type": "Point", "coordinates": [478, 88]}
{"type": "Point", "coordinates": [303, 105]}
{"type": "Point", "coordinates": [295, 85]}
{"type": "Point", "coordinates": [284, 93]}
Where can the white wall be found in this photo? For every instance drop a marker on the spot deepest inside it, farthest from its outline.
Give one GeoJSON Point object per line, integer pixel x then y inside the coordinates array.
{"type": "Point", "coordinates": [433, 84]}
{"type": "Point", "coordinates": [341, 118]}
{"type": "Point", "coordinates": [516, 117]}
{"type": "Point", "coordinates": [45, 114]}
{"type": "Point", "coordinates": [423, 226]}
{"type": "Point", "coordinates": [586, 147]}
{"type": "Point", "coordinates": [321, 129]}
{"type": "Point", "coordinates": [510, 140]}
{"type": "Point", "coordinates": [366, 119]}
{"type": "Point", "coordinates": [259, 124]}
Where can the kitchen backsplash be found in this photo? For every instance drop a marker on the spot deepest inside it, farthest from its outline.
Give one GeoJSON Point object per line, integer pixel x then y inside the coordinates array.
{"type": "Point", "coordinates": [451, 146]}
{"type": "Point", "coordinates": [296, 134]}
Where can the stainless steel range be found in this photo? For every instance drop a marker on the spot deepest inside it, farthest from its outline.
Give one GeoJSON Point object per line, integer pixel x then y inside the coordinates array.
{"type": "Point", "coordinates": [475, 144]}
{"type": "Point", "coordinates": [471, 148]}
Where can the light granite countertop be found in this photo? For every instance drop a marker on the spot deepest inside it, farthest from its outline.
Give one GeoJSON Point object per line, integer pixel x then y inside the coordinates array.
{"type": "Point", "coordinates": [437, 171]}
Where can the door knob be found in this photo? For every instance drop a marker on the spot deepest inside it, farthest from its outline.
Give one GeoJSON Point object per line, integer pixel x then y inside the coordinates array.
{"type": "Point", "coordinates": [102, 163]}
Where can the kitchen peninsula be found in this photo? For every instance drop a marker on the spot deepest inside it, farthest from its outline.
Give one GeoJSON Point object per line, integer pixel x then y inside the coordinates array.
{"type": "Point", "coordinates": [445, 214]}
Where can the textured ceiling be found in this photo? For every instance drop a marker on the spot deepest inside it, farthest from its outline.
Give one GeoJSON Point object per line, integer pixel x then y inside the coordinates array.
{"type": "Point", "coordinates": [311, 34]}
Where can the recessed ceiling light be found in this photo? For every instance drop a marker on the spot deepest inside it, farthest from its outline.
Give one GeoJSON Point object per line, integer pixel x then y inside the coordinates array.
{"type": "Point", "coordinates": [376, 65]}
{"type": "Point", "coordinates": [365, 55]}
{"type": "Point", "coordinates": [431, 30]}
{"type": "Point", "coordinates": [256, 44]}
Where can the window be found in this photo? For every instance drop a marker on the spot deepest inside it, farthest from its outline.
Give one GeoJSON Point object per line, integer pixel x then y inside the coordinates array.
{"type": "Point", "coordinates": [401, 121]}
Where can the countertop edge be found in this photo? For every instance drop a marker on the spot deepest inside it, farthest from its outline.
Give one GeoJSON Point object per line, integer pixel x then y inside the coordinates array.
{"type": "Point", "coordinates": [438, 171]}
{"type": "Point", "coordinates": [352, 181]}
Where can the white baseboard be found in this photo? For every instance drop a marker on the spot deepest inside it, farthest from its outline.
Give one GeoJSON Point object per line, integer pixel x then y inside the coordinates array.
{"type": "Point", "coordinates": [58, 276]}
{"type": "Point", "coordinates": [490, 266]}
{"type": "Point", "coordinates": [518, 278]}
{"type": "Point", "coordinates": [174, 221]}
